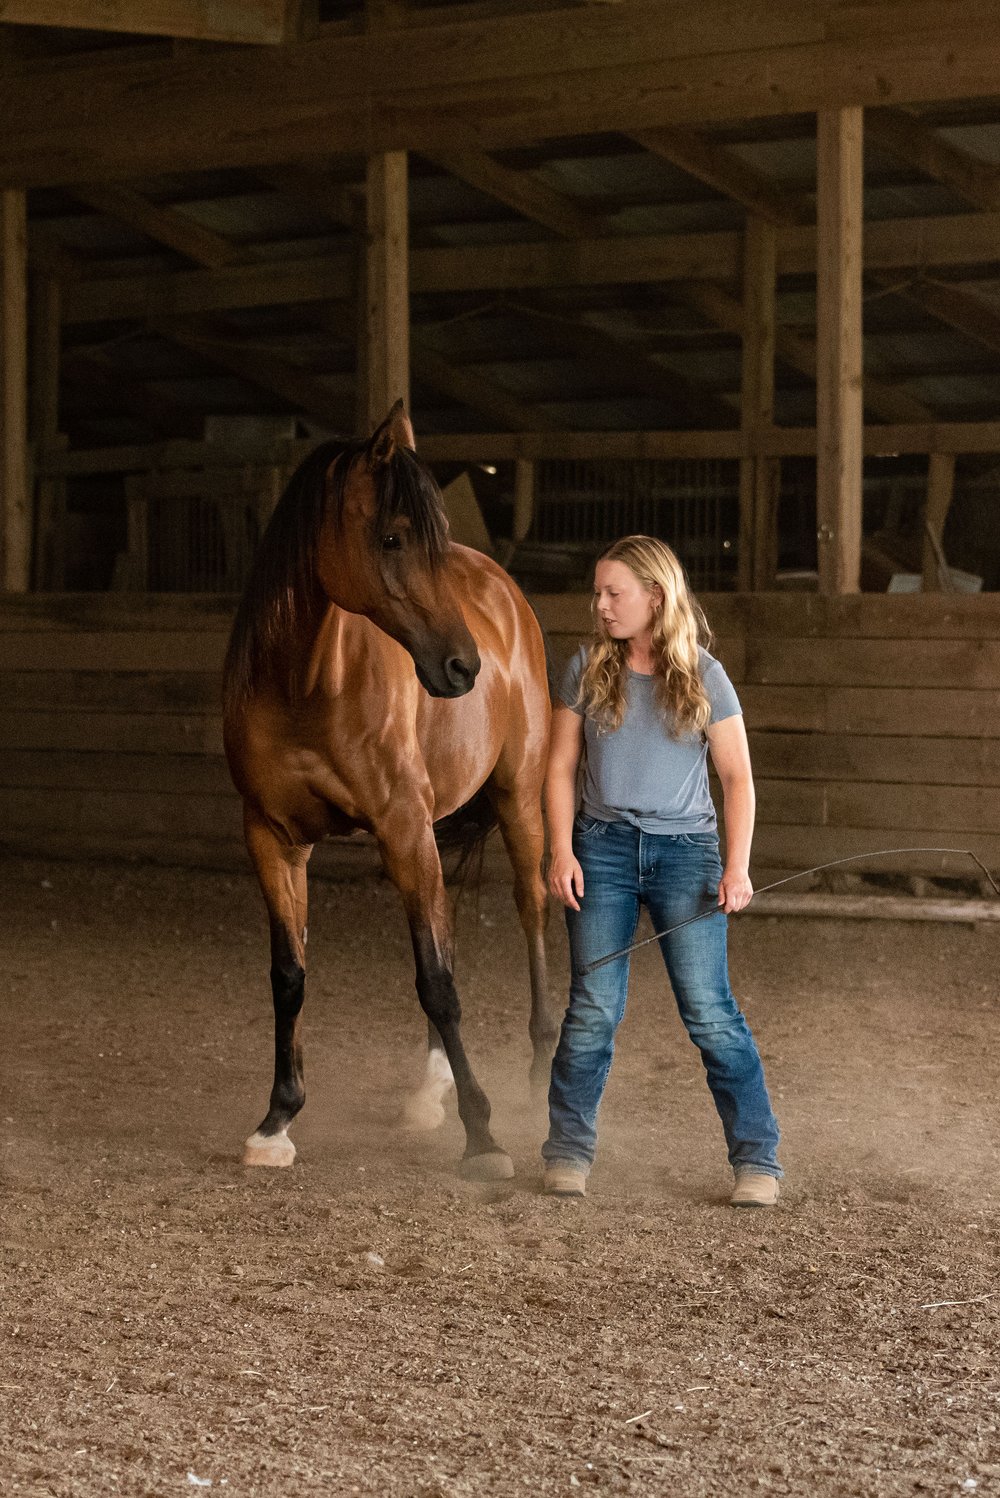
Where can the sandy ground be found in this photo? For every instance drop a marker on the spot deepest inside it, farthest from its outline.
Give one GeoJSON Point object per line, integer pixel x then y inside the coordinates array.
{"type": "Point", "coordinates": [369, 1323]}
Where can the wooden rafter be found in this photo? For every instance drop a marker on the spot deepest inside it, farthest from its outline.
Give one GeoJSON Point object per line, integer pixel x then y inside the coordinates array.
{"type": "Point", "coordinates": [522, 191]}
{"type": "Point", "coordinates": [625, 360]}
{"type": "Point", "coordinates": [259, 21]}
{"type": "Point", "coordinates": [968, 176]}
{"type": "Point", "coordinates": [165, 225]}
{"type": "Point", "coordinates": [505, 81]}
{"type": "Point", "coordinates": [727, 172]}
{"type": "Point", "coordinates": [220, 345]}
{"type": "Point", "coordinates": [963, 310]}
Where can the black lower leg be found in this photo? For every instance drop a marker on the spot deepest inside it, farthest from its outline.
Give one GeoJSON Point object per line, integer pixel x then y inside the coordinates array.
{"type": "Point", "coordinates": [288, 986]}
{"type": "Point", "coordinates": [439, 1000]}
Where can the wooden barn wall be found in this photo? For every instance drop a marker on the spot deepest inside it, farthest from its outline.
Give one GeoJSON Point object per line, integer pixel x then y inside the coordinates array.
{"type": "Point", "coordinates": [873, 723]}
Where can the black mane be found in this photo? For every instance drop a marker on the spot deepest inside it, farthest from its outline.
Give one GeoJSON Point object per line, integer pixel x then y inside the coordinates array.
{"type": "Point", "coordinates": [283, 597]}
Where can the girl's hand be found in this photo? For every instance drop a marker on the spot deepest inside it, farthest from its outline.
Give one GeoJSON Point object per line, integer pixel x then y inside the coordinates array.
{"type": "Point", "coordinates": [735, 890]}
{"type": "Point", "coordinates": [566, 879]}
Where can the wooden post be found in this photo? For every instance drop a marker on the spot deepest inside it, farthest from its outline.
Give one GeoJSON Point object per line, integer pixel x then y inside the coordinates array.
{"type": "Point", "coordinates": [524, 498]}
{"type": "Point", "coordinates": [760, 476]}
{"type": "Point", "coordinates": [43, 426]}
{"type": "Point", "coordinates": [940, 488]}
{"type": "Point", "coordinates": [15, 499]}
{"type": "Point", "coordinates": [387, 286]}
{"type": "Point", "coordinates": [839, 412]}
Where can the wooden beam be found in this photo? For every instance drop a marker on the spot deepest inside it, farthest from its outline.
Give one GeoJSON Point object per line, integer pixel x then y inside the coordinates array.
{"type": "Point", "coordinates": [387, 285]}
{"type": "Point", "coordinates": [960, 239]}
{"type": "Point", "coordinates": [166, 225]}
{"type": "Point", "coordinates": [259, 21]}
{"type": "Point", "coordinates": [468, 447]}
{"type": "Point", "coordinates": [728, 173]}
{"type": "Point", "coordinates": [968, 176]}
{"type": "Point", "coordinates": [504, 81]}
{"type": "Point", "coordinates": [963, 310]}
{"type": "Point", "coordinates": [839, 418]}
{"type": "Point", "coordinates": [344, 204]}
{"type": "Point", "coordinates": [799, 352]}
{"type": "Point", "coordinates": [940, 489]}
{"type": "Point", "coordinates": [15, 495]}
{"type": "Point", "coordinates": [45, 331]}
{"type": "Point", "coordinates": [526, 194]}
{"type": "Point", "coordinates": [473, 390]}
{"type": "Point", "coordinates": [219, 345]}
{"type": "Point", "coordinates": [760, 475]}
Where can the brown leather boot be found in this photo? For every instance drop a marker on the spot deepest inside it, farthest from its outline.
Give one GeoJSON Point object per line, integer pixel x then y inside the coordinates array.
{"type": "Point", "coordinates": [563, 1179]}
{"type": "Point", "coordinates": [754, 1190]}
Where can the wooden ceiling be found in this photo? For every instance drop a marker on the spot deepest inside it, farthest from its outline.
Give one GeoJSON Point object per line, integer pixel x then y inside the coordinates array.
{"type": "Point", "coordinates": [580, 181]}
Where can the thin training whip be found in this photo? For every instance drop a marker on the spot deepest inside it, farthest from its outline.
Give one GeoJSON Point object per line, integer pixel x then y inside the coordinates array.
{"type": "Point", "coordinates": [591, 967]}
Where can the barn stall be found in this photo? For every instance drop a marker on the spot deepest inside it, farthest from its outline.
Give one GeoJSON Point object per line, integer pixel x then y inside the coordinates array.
{"type": "Point", "coordinates": [747, 302]}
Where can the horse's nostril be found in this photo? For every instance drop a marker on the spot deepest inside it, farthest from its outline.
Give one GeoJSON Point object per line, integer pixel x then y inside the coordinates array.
{"type": "Point", "coordinates": [460, 673]}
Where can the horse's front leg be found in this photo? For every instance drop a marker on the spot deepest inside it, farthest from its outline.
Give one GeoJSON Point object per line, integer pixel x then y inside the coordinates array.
{"type": "Point", "coordinates": [282, 874]}
{"type": "Point", "coordinates": [412, 863]}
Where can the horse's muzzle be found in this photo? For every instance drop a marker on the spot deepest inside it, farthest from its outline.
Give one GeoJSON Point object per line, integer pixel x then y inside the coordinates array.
{"type": "Point", "coordinates": [455, 678]}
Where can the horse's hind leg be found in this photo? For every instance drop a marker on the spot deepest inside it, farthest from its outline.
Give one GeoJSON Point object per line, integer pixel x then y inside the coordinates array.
{"type": "Point", "coordinates": [519, 812]}
{"type": "Point", "coordinates": [282, 875]}
{"type": "Point", "coordinates": [412, 863]}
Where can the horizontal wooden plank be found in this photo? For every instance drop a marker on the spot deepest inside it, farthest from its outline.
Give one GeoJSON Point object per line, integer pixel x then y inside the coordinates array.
{"type": "Point", "coordinates": [900, 759]}
{"type": "Point", "coordinates": [112, 650]}
{"type": "Point", "coordinates": [874, 616]}
{"type": "Point", "coordinates": [870, 710]}
{"type": "Point", "coordinates": [795, 848]}
{"type": "Point", "coordinates": [136, 812]}
{"type": "Point", "coordinates": [162, 774]}
{"type": "Point", "coordinates": [119, 692]}
{"type": "Point", "coordinates": [246, 21]}
{"type": "Point", "coordinates": [204, 612]}
{"type": "Point", "coordinates": [889, 662]}
{"type": "Point", "coordinates": [141, 733]}
{"type": "Point", "coordinates": [946, 809]}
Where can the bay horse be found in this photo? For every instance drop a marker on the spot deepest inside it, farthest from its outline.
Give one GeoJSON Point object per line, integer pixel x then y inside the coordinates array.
{"type": "Point", "coordinates": [378, 676]}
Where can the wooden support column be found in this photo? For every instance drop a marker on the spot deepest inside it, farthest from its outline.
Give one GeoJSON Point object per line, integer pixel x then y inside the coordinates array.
{"type": "Point", "coordinates": [524, 498]}
{"type": "Point", "coordinates": [760, 475]}
{"type": "Point", "coordinates": [387, 287]}
{"type": "Point", "coordinates": [15, 499]}
{"type": "Point", "coordinates": [839, 415]}
{"type": "Point", "coordinates": [940, 488]}
{"type": "Point", "coordinates": [47, 563]}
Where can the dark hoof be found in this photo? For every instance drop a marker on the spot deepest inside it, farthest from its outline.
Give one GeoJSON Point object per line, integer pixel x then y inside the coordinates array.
{"type": "Point", "coordinates": [495, 1166]}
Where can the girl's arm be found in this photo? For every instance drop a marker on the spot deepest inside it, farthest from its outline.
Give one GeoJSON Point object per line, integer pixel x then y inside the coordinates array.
{"type": "Point", "coordinates": [727, 743]}
{"type": "Point", "coordinates": [565, 749]}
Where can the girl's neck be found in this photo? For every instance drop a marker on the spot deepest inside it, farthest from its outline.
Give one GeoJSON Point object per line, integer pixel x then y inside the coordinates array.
{"type": "Point", "coordinates": [640, 654]}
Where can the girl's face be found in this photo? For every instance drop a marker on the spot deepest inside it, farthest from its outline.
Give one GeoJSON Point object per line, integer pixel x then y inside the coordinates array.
{"type": "Point", "coordinates": [625, 606]}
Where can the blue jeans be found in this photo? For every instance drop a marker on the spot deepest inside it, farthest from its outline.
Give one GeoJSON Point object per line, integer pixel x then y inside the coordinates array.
{"type": "Point", "coordinates": [674, 876]}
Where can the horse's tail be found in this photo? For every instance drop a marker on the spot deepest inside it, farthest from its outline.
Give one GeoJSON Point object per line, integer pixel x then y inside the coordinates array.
{"type": "Point", "coordinates": [463, 833]}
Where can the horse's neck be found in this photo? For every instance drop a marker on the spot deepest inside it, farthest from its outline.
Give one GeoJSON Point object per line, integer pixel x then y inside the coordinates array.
{"type": "Point", "coordinates": [340, 644]}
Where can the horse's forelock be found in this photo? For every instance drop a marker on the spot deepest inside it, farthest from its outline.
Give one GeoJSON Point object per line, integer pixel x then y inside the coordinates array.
{"type": "Point", "coordinates": [405, 487]}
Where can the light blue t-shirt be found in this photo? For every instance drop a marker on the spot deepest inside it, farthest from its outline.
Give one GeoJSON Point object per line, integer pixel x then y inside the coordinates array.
{"type": "Point", "coordinates": [639, 773]}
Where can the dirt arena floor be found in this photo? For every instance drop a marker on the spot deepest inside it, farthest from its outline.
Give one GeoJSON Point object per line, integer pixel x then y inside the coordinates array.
{"type": "Point", "coordinates": [368, 1323]}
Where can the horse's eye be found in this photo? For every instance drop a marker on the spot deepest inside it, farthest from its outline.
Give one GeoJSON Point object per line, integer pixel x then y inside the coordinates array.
{"type": "Point", "coordinates": [391, 543]}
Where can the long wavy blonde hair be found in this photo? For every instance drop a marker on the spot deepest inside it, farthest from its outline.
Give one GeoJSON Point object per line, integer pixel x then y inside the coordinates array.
{"type": "Point", "coordinates": [679, 627]}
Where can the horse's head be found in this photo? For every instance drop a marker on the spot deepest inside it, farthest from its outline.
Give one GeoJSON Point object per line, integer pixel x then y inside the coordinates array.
{"type": "Point", "coordinates": [380, 551]}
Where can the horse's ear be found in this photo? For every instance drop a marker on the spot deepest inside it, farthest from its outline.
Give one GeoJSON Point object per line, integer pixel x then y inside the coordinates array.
{"type": "Point", "coordinates": [395, 431]}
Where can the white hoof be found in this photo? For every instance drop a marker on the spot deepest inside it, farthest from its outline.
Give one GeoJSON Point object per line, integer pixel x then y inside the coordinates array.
{"type": "Point", "coordinates": [274, 1150]}
{"type": "Point", "coordinates": [424, 1109]}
